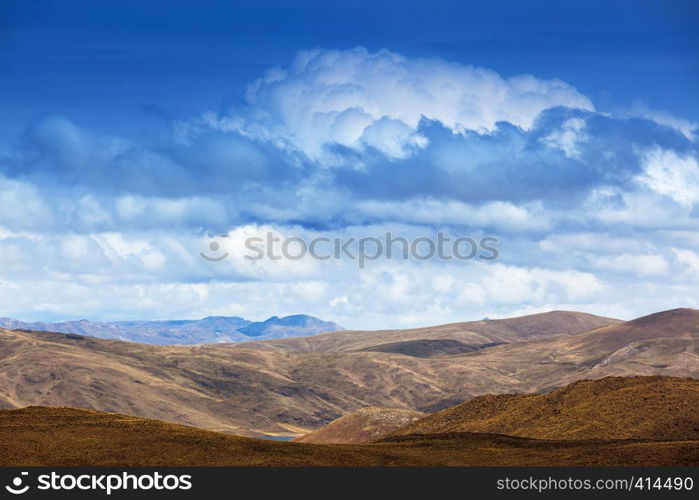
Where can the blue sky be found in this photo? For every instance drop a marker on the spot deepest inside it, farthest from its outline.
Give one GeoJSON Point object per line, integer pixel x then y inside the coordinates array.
{"type": "Point", "coordinates": [133, 131]}
{"type": "Point", "coordinates": [104, 63]}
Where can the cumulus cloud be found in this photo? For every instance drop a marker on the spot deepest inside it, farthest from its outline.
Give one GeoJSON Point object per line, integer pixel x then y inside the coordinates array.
{"type": "Point", "coordinates": [672, 175]}
{"type": "Point", "coordinates": [356, 98]}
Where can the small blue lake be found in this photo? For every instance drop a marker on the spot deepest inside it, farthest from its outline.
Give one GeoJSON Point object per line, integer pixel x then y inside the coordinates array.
{"type": "Point", "coordinates": [277, 438]}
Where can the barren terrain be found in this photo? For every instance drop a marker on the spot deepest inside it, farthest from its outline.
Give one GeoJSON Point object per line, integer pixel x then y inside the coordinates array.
{"type": "Point", "coordinates": [292, 386]}
{"type": "Point", "coordinates": [73, 437]}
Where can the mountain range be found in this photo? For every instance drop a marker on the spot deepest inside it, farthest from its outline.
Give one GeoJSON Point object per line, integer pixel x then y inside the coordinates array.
{"type": "Point", "coordinates": [211, 329]}
{"type": "Point", "coordinates": [288, 387]}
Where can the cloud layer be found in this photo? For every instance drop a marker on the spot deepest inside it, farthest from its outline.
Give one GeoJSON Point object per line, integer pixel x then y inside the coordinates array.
{"type": "Point", "coordinates": [586, 205]}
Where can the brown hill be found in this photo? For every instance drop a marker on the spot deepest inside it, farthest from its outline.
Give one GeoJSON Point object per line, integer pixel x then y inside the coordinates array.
{"type": "Point", "coordinates": [657, 408]}
{"type": "Point", "coordinates": [676, 324]}
{"type": "Point", "coordinates": [521, 329]}
{"type": "Point", "coordinates": [428, 348]}
{"type": "Point", "coordinates": [68, 437]}
{"type": "Point", "coordinates": [363, 426]}
{"type": "Point", "coordinates": [75, 437]}
{"type": "Point", "coordinates": [290, 387]}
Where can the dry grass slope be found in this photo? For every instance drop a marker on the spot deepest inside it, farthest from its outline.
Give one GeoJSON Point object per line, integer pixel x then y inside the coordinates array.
{"type": "Point", "coordinates": [363, 426]}
{"type": "Point", "coordinates": [73, 437]}
{"type": "Point", "coordinates": [40, 436]}
{"type": "Point", "coordinates": [520, 329]}
{"type": "Point", "coordinates": [654, 408]}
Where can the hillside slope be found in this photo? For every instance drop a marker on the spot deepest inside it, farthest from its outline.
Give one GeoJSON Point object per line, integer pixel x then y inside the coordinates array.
{"type": "Point", "coordinates": [363, 426]}
{"type": "Point", "coordinates": [75, 437]}
{"type": "Point", "coordinates": [657, 408]}
{"type": "Point", "coordinates": [520, 329]}
{"type": "Point", "coordinates": [52, 437]}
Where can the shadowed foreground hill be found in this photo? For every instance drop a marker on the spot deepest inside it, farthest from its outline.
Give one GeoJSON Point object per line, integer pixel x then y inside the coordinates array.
{"type": "Point", "coordinates": [657, 408]}
{"type": "Point", "coordinates": [363, 426]}
{"type": "Point", "coordinates": [40, 436]}
{"type": "Point", "coordinates": [74, 437]}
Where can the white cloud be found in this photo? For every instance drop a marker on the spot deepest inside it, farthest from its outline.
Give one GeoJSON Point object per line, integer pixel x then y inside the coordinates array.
{"type": "Point", "coordinates": [500, 215]}
{"type": "Point", "coordinates": [569, 137]}
{"type": "Point", "coordinates": [689, 259]}
{"type": "Point", "coordinates": [356, 98]}
{"type": "Point", "coordinates": [512, 284]}
{"type": "Point", "coordinates": [672, 175]}
{"type": "Point", "coordinates": [22, 206]}
{"type": "Point", "coordinates": [609, 207]}
{"type": "Point", "coordinates": [157, 211]}
{"type": "Point", "coordinates": [640, 265]}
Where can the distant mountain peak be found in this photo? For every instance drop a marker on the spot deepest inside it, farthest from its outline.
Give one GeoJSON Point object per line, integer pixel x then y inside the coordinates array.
{"type": "Point", "coordinates": [295, 325]}
{"type": "Point", "coordinates": [211, 329]}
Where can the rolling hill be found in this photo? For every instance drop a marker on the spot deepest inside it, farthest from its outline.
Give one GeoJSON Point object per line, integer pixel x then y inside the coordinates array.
{"type": "Point", "coordinates": [476, 333]}
{"type": "Point", "coordinates": [41, 436]}
{"type": "Point", "coordinates": [292, 386]}
{"type": "Point", "coordinates": [362, 426]}
{"type": "Point", "coordinates": [612, 408]}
